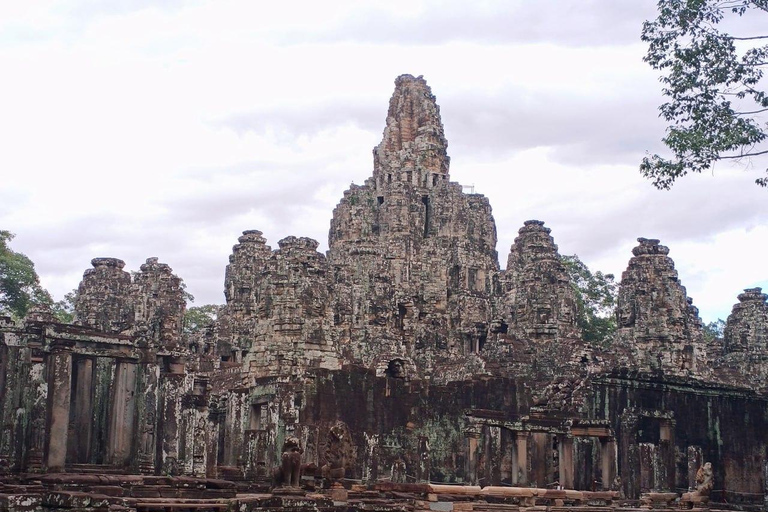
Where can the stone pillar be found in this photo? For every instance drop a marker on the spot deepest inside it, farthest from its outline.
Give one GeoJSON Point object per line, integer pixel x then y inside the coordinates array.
{"type": "Point", "coordinates": [565, 452]}
{"type": "Point", "coordinates": [147, 409]}
{"type": "Point", "coordinates": [371, 458]}
{"type": "Point", "coordinates": [122, 422]}
{"type": "Point", "coordinates": [80, 447]}
{"type": "Point", "coordinates": [36, 402]}
{"type": "Point", "coordinates": [520, 460]}
{"type": "Point", "coordinates": [667, 454]}
{"type": "Point", "coordinates": [765, 485]}
{"type": "Point", "coordinates": [540, 455]}
{"type": "Point", "coordinates": [608, 461]}
{"type": "Point", "coordinates": [423, 469]}
{"type": "Point", "coordinates": [3, 370]}
{"type": "Point", "coordinates": [172, 385]}
{"type": "Point", "coordinates": [59, 384]}
{"type": "Point", "coordinates": [493, 456]}
{"type": "Point", "coordinates": [472, 434]}
{"type": "Point", "coordinates": [695, 459]}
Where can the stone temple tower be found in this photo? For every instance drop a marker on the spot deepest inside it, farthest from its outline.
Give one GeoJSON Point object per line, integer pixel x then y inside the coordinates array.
{"type": "Point", "coordinates": [656, 319]}
{"type": "Point", "coordinates": [412, 256]}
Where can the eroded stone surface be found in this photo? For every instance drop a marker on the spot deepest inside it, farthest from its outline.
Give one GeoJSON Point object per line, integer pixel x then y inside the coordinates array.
{"type": "Point", "coordinates": [746, 329]}
{"type": "Point", "coordinates": [657, 321]}
{"type": "Point", "coordinates": [104, 299]}
{"type": "Point", "coordinates": [404, 353]}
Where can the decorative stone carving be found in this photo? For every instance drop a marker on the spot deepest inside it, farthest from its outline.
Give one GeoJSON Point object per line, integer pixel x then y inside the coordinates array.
{"type": "Point", "coordinates": [289, 472]}
{"type": "Point", "coordinates": [159, 303]}
{"type": "Point", "coordinates": [538, 302]}
{"type": "Point", "coordinates": [412, 256]}
{"type": "Point", "coordinates": [746, 329]}
{"type": "Point", "coordinates": [705, 480]}
{"type": "Point", "coordinates": [338, 452]}
{"type": "Point", "coordinates": [104, 298]}
{"type": "Point", "coordinates": [657, 322]}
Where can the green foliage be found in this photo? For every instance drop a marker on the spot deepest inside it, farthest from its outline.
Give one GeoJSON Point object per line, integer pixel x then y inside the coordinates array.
{"type": "Point", "coordinates": [716, 108]}
{"type": "Point", "coordinates": [64, 309]}
{"type": "Point", "coordinates": [714, 330]}
{"type": "Point", "coordinates": [198, 318]}
{"type": "Point", "coordinates": [596, 295]}
{"type": "Point", "coordinates": [19, 284]}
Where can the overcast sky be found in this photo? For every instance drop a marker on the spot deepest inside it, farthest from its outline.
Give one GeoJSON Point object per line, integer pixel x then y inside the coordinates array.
{"type": "Point", "coordinates": [165, 128]}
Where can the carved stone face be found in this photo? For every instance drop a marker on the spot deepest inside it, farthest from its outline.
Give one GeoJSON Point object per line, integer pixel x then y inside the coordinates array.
{"type": "Point", "coordinates": [396, 369]}
{"type": "Point", "coordinates": [626, 314]}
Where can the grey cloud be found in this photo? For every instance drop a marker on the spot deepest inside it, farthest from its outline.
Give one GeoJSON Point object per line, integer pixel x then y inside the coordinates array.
{"type": "Point", "coordinates": [584, 23]}
{"type": "Point", "coordinates": [309, 119]}
{"type": "Point", "coordinates": [582, 130]}
{"type": "Point", "coordinates": [590, 130]}
{"type": "Point", "coordinates": [694, 211]}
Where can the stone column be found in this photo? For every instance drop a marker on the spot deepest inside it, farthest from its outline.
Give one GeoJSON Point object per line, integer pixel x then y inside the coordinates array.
{"type": "Point", "coordinates": [493, 456]}
{"type": "Point", "coordinates": [80, 447]}
{"type": "Point", "coordinates": [667, 454]}
{"type": "Point", "coordinates": [472, 434]}
{"type": "Point", "coordinates": [540, 457]}
{"type": "Point", "coordinates": [695, 459]}
{"type": "Point", "coordinates": [608, 461]}
{"type": "Point", "coordinates": [520, 460]}
{"type": "Point", "coordinates": [371, 458]}
{"type": "Point", "coordinates": [60, 386]}
{"type": "Point", "coordinates": [565, 452]}
{"type": "Point", "coordinates": [423, 469]}
{"type": "Point", "coordinates": [147, 409]}
{"type": "Point", "coordinates": [36, 402]}
{"type": "Point", "coordinates": [122, 422]}
{"type": "Point", "coordinates": [172, 387]}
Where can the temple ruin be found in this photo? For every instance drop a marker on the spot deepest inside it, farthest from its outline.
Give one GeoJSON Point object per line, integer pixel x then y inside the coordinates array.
{"type": "Point", "coordinates": [402, 370]}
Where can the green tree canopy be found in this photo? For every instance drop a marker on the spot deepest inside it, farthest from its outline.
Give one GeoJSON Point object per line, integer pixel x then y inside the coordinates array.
{"type": "Point", "coordinates": [596, 295]}
{"type": "Point", "coordinates": [198, 318]}
{"type": "Point", "coordinates": [717, 104]}
{"type": "Point", "coordinates": [19, 284]}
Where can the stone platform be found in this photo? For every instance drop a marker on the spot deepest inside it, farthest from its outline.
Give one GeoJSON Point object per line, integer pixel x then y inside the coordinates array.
{"type": "Point", "coordinates": [136, 493]}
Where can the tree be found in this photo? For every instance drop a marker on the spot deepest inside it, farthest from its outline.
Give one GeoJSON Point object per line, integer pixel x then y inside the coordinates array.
{"type": "Point", "coordinates": [717, 108]}
{"type": "Point", "coordinates": [714, 330]}
{"type": "Point", "coordinates": [19, 284]}
{"type": "Point", "coordinates": [596, 299]}
{"type": "Point", "coordinates": [198, 318]}
{"type": "Point", "coordinates": [64, 309]}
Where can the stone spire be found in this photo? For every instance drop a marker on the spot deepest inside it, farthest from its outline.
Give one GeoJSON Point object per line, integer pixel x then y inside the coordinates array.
{"type": "Point", "coordinates": [413, 258]}
{"type": "Point", "coordinates": [654, 314]}
{"type": "Point", "coordinates": [292, 329]}
{"type": "Point", "coordinates": [413, 149]}
{"type": "Point", "coordinates": [747, 326]}
{"type": "Point", "coordinates": [159, 303]}
{"type": "Point", "coordinates": [539, 302]}
{"type": "Point", "coordinates": [104, 300]}
{"type": "Point", "coordinates": [241, 280]}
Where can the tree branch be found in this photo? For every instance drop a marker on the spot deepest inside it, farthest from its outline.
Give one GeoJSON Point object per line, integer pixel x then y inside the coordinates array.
{"type": "Point", "coordinates": [736, 157]}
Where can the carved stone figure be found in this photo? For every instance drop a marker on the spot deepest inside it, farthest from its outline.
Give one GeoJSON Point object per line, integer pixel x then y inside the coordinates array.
{"type": "Point", "coordinates": [399, 471]}
{"type": "Point", "coordinates": [336, 452]}
{"type": "Point", "coordinates": [289, 473]}
{"type": "Point", "coordinates": [704, 480]}
{"type": "Point", "coordinates": [396, 369]}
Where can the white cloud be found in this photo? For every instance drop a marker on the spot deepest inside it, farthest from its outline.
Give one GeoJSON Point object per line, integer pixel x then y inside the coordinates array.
{"type": "Point", "coordinates": [136, 129]}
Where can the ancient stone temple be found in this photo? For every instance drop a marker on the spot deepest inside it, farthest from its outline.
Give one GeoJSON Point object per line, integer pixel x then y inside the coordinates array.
{"type": "Point", "coordinates": [373, 376]}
